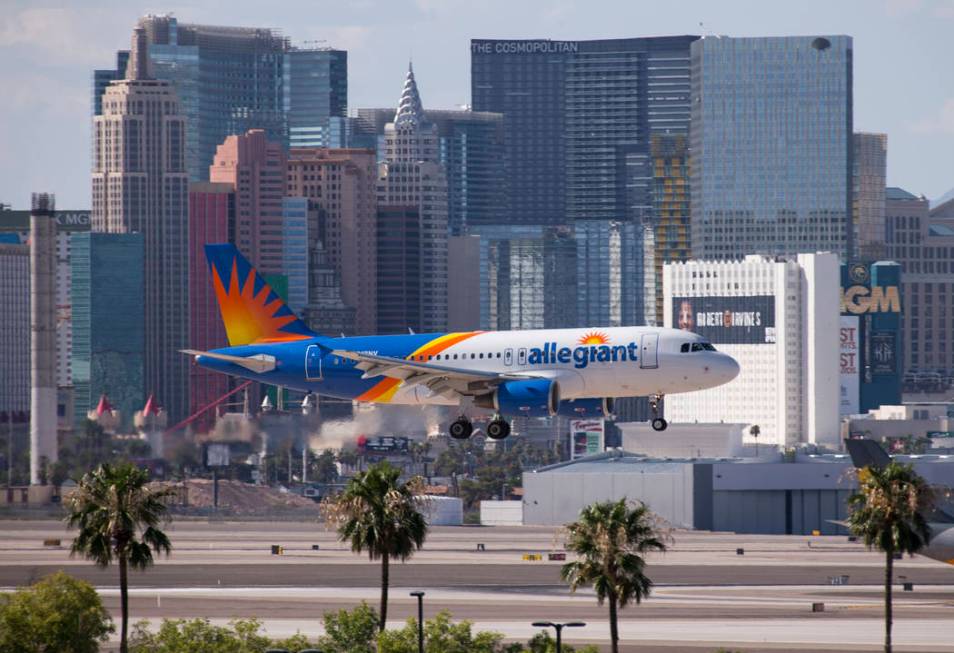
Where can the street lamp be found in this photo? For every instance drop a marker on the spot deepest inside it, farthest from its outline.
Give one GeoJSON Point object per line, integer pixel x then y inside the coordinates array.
{"type": "Point", "coordinates": [420, 620]}
{"type": "Point", "coordinates": [559, 630]}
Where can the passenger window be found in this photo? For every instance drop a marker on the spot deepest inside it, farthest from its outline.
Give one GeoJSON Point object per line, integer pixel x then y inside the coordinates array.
{"type": "Point", "coordinates": [481, 355]}
{"type": "Point", "coordinates": [685, 348]}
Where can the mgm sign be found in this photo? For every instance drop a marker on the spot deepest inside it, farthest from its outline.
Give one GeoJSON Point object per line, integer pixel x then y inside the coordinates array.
{"type": "Point", "coordinates": [861, 300]}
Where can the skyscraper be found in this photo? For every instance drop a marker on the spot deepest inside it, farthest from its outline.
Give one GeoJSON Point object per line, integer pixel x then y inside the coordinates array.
{"type": "Point", "coordinates": [921, 239]}
{"type": "Point", "coordinates": [140, 185]}
{"type": "Point", "coordinates": [771, 145]}
{"type": "Point", "coordinates": [211, 220]}
{"type": "Point", "coordinates": [870, 160]}
{"type": "Point", "coordinates": [595, 140]}
{"type": "Point", "coordinates": [108, 328]}
{"type": "Point", "coordinates": [14, 328]}
{"type": "Point", "coordinates": [315, 90]}
{"type": "Point", "coordinates": [473, 154]}
{"type": "Point", "coordinates": [340, 187]}
{"type": "Point", "coordinates": [255, 167]}
{"type": "Point", "coordinates": [228, 80]}
{"type": "Point", "coordinates": [578, 117]}
{"type": "Point", "coordinates": [411, 175]}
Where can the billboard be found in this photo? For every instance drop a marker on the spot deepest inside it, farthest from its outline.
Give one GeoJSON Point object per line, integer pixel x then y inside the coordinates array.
{"type": "Point", "coordinates": [849, 403]}
{"type": "Point", "coordinates": [586, 436]}
{"type": "Point", "coordinates": [748, 320]}
{"type": "Point", "coordinates": [883, 353]}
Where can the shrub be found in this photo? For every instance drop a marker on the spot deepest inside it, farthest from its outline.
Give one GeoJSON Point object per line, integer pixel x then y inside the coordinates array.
{"type": "Point", "coordinates": [59, 613]}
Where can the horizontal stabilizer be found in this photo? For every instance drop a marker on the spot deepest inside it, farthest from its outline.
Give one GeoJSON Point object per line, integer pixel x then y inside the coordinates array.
{"type": "Point", "coordinates": [259, 363]}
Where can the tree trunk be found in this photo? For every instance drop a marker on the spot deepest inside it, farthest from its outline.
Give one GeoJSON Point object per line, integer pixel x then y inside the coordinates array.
{"type": "Point", "coordinates": [123, 604]}
{"type": "Point", "coordinates": [614, 630]}
{"type": "Point", "coordinates": [384, 590]}
{"type": "Point", "coordinates": [888, 577]}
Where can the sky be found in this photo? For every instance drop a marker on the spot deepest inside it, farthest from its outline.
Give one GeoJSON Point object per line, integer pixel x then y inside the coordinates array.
{"type": "Point", "coordinates": [903, 52]}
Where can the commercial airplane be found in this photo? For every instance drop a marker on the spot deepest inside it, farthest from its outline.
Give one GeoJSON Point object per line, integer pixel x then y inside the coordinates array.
{"type": "Point", "coordinates": [539, 373]}
{"type": "Point", "coordinates": [868, 453]}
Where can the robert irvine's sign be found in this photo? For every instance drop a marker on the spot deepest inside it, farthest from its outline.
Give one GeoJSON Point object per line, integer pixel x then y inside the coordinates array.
{"type": "Point", "coordinates": [523, 47]}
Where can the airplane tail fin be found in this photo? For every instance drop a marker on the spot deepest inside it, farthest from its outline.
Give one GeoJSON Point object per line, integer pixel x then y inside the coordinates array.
{"type": "Point", "coordinates": [250, 309]}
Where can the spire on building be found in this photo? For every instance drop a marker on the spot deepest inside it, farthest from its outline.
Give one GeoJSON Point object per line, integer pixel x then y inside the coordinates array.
{"type": "Point", "coordinates": [104, 406]}
{"type": "Point", "coordinates": [410, 111]}
{"type": "Point", "coordinates": [151, 407]}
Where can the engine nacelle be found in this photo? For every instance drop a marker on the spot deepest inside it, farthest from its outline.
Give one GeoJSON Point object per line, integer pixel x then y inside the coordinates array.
{"type": "Point", "coordinates": [586, 408]}
{"type": "Point", "coordinates": [530, 398]}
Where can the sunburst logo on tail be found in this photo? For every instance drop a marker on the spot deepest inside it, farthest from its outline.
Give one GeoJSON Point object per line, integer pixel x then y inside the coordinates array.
{"type": "Point", "coordinates": [251, 310]}
{"type": "Point", "coordinates": [594, 338]}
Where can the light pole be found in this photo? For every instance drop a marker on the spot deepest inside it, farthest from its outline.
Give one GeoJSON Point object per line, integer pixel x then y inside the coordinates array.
{"type": "Point", "coordinates": [558, 627]}
{"type": "Point", "coordinates": [420, 620]}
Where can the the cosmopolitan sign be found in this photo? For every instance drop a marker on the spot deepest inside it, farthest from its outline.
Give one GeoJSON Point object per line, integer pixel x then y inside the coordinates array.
{"type": "Point", "coordinates": [523, 47]}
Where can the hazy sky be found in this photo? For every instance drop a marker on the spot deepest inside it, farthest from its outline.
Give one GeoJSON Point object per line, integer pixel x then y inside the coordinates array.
{"type": "Point", "coordinates": [904, 62]}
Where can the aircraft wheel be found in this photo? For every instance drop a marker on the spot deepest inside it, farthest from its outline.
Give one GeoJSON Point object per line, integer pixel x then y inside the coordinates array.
{"type": "Point", "coordinates": [461, 428]}
{"type": "Point", "coordinates": [498, 429]}
{"type": "Point", "coordinates": [659, 424]}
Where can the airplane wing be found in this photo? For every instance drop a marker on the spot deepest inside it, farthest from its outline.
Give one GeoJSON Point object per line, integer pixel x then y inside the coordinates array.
{"type": "Point", "coordinates": [448, 381]}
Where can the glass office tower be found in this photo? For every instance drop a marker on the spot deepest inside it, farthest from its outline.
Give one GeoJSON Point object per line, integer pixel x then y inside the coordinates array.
{"type": "Point", "coordinates": [771, 145]}
{"type": "Point", "coordinates": [228, 80]}
{"type": "Point", "coordinates": [578, 116]}
{"type": "Point", "coordinates": [580, 122]}
{"type": "Point", "coordinates": [108, 297]}
{"type": "Point", "coordinates": [315, 90]}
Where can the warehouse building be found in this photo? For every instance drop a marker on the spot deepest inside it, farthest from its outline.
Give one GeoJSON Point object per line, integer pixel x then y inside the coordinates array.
{"type": "Point", "coordinates": [808, 493]}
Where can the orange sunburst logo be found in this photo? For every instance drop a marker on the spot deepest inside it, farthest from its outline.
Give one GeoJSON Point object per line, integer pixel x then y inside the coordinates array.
{"type": "Point", "coordinates": [594, 338]}
{"type": "Point", "coordinates": [251, 316]}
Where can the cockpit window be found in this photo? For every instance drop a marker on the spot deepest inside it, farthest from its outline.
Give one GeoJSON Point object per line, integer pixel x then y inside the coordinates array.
{"type": "Point", "coordinates": [697, 346]}
{"type": "Point", "coordinates": [685, 348]}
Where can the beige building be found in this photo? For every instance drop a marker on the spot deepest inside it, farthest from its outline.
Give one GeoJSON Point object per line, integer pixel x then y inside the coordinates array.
{"type": "Point", "coordinates": [922, 241]}
{"type": "Point", "coordinates": [341, 183]}
{"type": "Point", "coordinates": [255, 168]}
{"type": "Point", "coordinates": [410, 175]}
{"type": "Point", "coordinates": [140, 185]}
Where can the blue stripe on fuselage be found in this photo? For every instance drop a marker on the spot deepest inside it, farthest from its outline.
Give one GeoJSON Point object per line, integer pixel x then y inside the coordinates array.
{"type": "Point", "coordinates": [342, 381]}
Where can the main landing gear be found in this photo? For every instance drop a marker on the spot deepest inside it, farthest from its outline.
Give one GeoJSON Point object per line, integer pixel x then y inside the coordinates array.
{"type": "Point", "coordinates": [658, 423]}
{"type": "Point", "coordinates": [461, 428]}
{"type": "Point", "coordinates": [498, 428]}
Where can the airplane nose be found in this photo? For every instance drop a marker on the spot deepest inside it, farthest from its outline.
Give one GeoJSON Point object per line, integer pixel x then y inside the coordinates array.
{"type": "Point", "coordinates": [728, 367]}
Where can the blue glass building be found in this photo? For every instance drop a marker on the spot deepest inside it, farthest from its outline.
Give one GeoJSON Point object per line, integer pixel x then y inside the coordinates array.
{"type": "Point", "coordinates": [108, 298]}
{"type": "Point", "coordinates": [315, 90]}
{"type": "Point", "coordinates": [295, 251]}
{"type": "Point", "coordinates": [771, 145]}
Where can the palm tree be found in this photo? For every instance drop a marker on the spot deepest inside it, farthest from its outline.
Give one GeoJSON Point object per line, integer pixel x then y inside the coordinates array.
{"type": "Point", "coordinates": [610, 539]}
{"type": "Point", "coordinates": [118, 516]}
{"type": "Point", "coordinates": [379, 514]}
{"type": "Point", "coordinates": [889, 513]}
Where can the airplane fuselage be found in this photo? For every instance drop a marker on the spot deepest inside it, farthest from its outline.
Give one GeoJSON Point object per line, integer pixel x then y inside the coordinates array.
{"type": "Point", "coordinates": [587, 363]}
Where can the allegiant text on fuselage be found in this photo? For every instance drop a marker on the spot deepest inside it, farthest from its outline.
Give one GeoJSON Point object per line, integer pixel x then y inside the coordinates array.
{"type": "Point", "coordinates": [582, 356]}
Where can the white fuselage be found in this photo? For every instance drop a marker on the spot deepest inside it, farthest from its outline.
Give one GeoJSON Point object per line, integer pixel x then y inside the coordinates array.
{"type": "Point", "coordinates": [588, 363]}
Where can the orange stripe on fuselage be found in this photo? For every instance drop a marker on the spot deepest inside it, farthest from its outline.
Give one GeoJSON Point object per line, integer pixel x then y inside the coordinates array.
{"type": "Point", "coordinates": [385, 389]}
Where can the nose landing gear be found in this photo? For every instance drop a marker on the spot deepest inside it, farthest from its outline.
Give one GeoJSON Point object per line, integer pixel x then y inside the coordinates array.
{"type": "Point", "coordinates": [658, 423]}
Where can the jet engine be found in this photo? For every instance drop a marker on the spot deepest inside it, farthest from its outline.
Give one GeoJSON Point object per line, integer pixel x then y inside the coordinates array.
{"type": "Point", "coordinates": [530, 398]}
{"type": "Point", "coordinates": [586, 408]}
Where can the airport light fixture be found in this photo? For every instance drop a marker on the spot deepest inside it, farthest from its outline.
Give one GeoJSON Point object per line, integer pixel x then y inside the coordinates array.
{"type": "Point", "coordinates": [420, 619]}
{"type": "Point", "coordinates": [558, 627]}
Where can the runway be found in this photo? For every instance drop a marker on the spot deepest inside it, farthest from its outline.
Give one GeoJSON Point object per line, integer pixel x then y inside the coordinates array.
{"type": "Point", "coordinates": [706, 594]}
